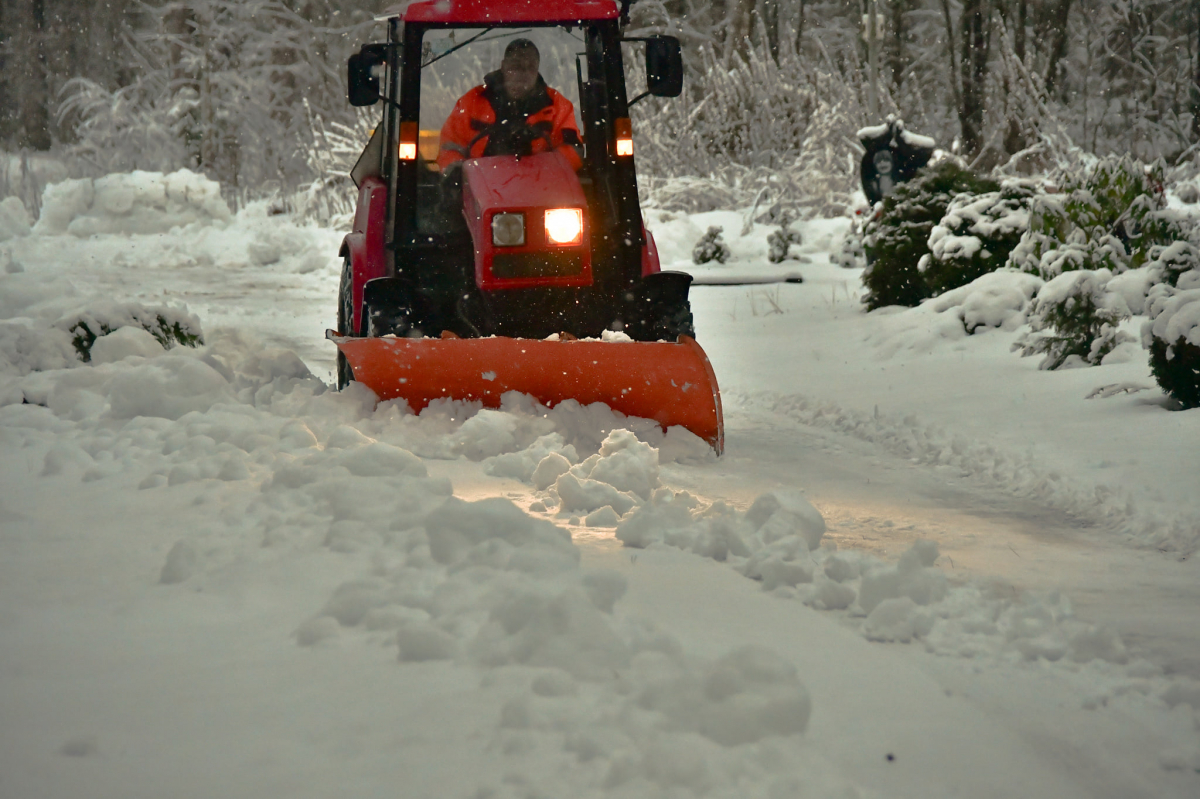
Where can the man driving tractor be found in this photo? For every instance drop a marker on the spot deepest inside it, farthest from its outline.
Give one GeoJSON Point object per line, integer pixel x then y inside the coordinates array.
{"type": "Point", "coordinates": [514, 112]}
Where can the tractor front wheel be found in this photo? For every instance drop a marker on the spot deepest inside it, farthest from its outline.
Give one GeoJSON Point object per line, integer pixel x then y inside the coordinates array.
{"type": "Point", "coordinates": [345, 318]}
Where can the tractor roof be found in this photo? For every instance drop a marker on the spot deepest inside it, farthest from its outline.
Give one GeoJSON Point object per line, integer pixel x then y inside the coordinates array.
{"type": "Point", "coordinates": [499, 12]}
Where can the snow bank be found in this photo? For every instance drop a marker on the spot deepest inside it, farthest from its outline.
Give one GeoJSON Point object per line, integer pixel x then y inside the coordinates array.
{"type": "Point", "coordinates": [135, 202]}
{"type": "Point", "coordinates": [776, 542]}
{"type": "Point", "coordinates": [997, 300]}
{"type": "Point", "coordinates": [1017, 473]}
{"type": "Point", "coordinates": [14, 219]}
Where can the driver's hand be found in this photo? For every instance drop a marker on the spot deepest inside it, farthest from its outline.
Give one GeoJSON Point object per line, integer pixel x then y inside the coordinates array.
{"type": "Point", "coordinates": [521, 139]}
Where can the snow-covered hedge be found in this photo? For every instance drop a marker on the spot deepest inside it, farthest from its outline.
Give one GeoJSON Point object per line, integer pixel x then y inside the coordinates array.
{"type": "Point", "coordinates": [133, 202]}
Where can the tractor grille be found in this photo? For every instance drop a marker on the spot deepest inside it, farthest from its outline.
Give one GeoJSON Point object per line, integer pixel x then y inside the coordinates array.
{"type": "Point", "coordinates": [554, 263]}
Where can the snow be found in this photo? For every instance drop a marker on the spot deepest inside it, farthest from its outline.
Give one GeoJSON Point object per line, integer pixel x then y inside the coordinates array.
{"type": "Point", "coordinates": [1174, 316]}
{"type": "Point", "coordinates": [14, 219]}
{"type": "Point", "coordinates": [137, 202]}
{"type": "Point", "coordinates": [922, 568]}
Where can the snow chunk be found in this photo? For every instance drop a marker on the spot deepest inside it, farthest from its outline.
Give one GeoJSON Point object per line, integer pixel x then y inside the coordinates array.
{"type": "Point", "coordinates": [549, 469]}
{"type": "Point", "coordinates": [743, 697]}
{"type": "Point", "coordinates": [378, 459]}
{"type": "Point", "coordinates": [125, 342]}
{"type": "Point", "coordinates": [624, 462]}
{"type": "Point", "coordinates": [891, 620]}
{"type": "Point", "coordinates": [604, 517]}
{"type": "Point", "coordinates": [590, 495]}
{"type": "Point", "coordinates": [525, 465]}
{"type": "Point", "coordinates": [785, 512]}
{"type": "Point", "coordinates": [26, 347]}
{"type": "Point", "coordinates": [421, 641]}
{"type": "Point", "coordinates": [456, 526]}
{"type": "Point", "coordinates": [909, 578]}
{"type": "Point", "coordinates": [182, 562]}
{"type": "Point", "coordinates": [167, 387]}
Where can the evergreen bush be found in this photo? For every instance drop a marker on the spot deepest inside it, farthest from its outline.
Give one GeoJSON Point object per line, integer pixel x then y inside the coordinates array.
{"type": "Point", "coordinates": [896, 239]}
{"type": "Point", "coordinates": [1172, 334]}
{"type": "Point", "coordinates": [779, 242]}
{"type": "Point", "coordinates": [168, 325]}
{"type": "Point", "coordinates": [1116, 211]}
{"type": "Point", "coordinates": [1074, 320]}
{"type": "Point", "coordinates": [976, 236]}
{"type": "Point", "coordinates": [851, 255]}
{"type": "Point", "coordinates": [711, 247]}
{"type": "Point", "coordinates": [1174, 261]}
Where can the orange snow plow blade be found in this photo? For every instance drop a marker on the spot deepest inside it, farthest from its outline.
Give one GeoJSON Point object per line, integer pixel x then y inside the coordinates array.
{"type": "Point", "coordinates": [673, 384]}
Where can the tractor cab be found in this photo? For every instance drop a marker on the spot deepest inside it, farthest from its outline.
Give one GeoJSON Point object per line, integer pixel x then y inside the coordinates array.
{"type": "Point", "coordinates": [472, 249]}
{"type": "Point", "coordinates": [522, 240]}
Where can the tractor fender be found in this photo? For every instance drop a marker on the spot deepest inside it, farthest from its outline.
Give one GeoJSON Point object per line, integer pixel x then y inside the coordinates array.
{"type": "Point", "coordinates": [650, 263]}
{"type": "Point", "coordinates": [364, 244]}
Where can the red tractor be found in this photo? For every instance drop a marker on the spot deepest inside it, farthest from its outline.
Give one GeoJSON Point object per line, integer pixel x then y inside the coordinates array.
{"type": "Point", "coordinates": [514, 271]}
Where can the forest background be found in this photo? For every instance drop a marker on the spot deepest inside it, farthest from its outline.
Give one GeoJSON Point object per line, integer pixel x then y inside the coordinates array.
{"type": "Point", "coordinates": [252, 92]}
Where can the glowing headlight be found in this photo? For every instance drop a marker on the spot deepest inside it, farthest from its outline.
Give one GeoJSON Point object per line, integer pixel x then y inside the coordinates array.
{"type": "Point", "coordinates": [564, 225]}
{"type": "Point", "coordinates": [508, 230]}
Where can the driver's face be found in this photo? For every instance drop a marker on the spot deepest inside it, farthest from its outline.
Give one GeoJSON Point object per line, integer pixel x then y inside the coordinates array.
{"type": "Point", "coordinates": [520, 75]}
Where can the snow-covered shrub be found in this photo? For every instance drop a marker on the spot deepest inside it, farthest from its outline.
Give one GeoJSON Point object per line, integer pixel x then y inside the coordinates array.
{"type": "Point", "coordinates": [711, 247]}
{"type": "Point", "coordinates": [169, 325]}
{"type": "Point", "coordinates": [779, 241]}
{"type": "Point", "coordinates": [1175, 260]}
{"type": "Point", "coordinates": [1074, 320]}
{"type": "Point", "coordinates": [1172, 334]}
{"type": "Point", "coordinates": [976, 236]}
{"type": "Point", "coordinates": [850, 253]}
{"type": "Point", "coordinates": [994, 300]}
{"type": "Point", "coordinates": [896, 239]}
{"type": "Point", "coordinates": [1116, 210]}
{"type": "Point", "coordinates": [1188, 192]}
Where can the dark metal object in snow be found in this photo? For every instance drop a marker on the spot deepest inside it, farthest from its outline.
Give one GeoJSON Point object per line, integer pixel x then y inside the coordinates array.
{"type": "Point", "coordinates": [893, 155]}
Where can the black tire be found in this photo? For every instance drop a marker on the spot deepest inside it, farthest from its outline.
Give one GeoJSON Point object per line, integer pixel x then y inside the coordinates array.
{"type": "Point", "coordinates": [678, 322]}
{"type": "Point", "coordinates": [661, 310]}
{"type": "Point", "coordinates": [345, 316]}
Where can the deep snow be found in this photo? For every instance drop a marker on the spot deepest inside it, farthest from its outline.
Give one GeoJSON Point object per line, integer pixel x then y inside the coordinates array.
{"type": "Point", "coordinates": [221, 577]}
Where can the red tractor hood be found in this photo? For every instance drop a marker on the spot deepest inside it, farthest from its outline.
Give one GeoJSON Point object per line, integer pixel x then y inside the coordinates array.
{"type": "Point", "coordinates": [529, 186]}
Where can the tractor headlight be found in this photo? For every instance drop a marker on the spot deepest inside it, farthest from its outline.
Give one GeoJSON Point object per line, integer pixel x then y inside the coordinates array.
{"type": "Point", "coordinates": [508, 230]}
{"type": "Point", "coordinates": [564, 225]}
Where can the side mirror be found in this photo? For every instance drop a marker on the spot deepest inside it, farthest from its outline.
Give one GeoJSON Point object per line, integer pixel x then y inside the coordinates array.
{"type": "Point", "coordinates": [664, 66]}
{"type": "Point", "coordinates": [362, 86]}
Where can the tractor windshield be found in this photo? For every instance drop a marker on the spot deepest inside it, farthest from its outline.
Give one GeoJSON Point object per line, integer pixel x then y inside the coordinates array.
{"type": "Point", "coordinates": [454, 64]}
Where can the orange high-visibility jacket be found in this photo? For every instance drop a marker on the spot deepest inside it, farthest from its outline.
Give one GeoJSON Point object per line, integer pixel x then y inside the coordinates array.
{"type": "Point", "coordinates": [484, 119]}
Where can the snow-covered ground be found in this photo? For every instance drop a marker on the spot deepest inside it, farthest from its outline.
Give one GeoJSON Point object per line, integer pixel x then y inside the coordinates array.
{"type": "Point", "coordinates": [922, 568]}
